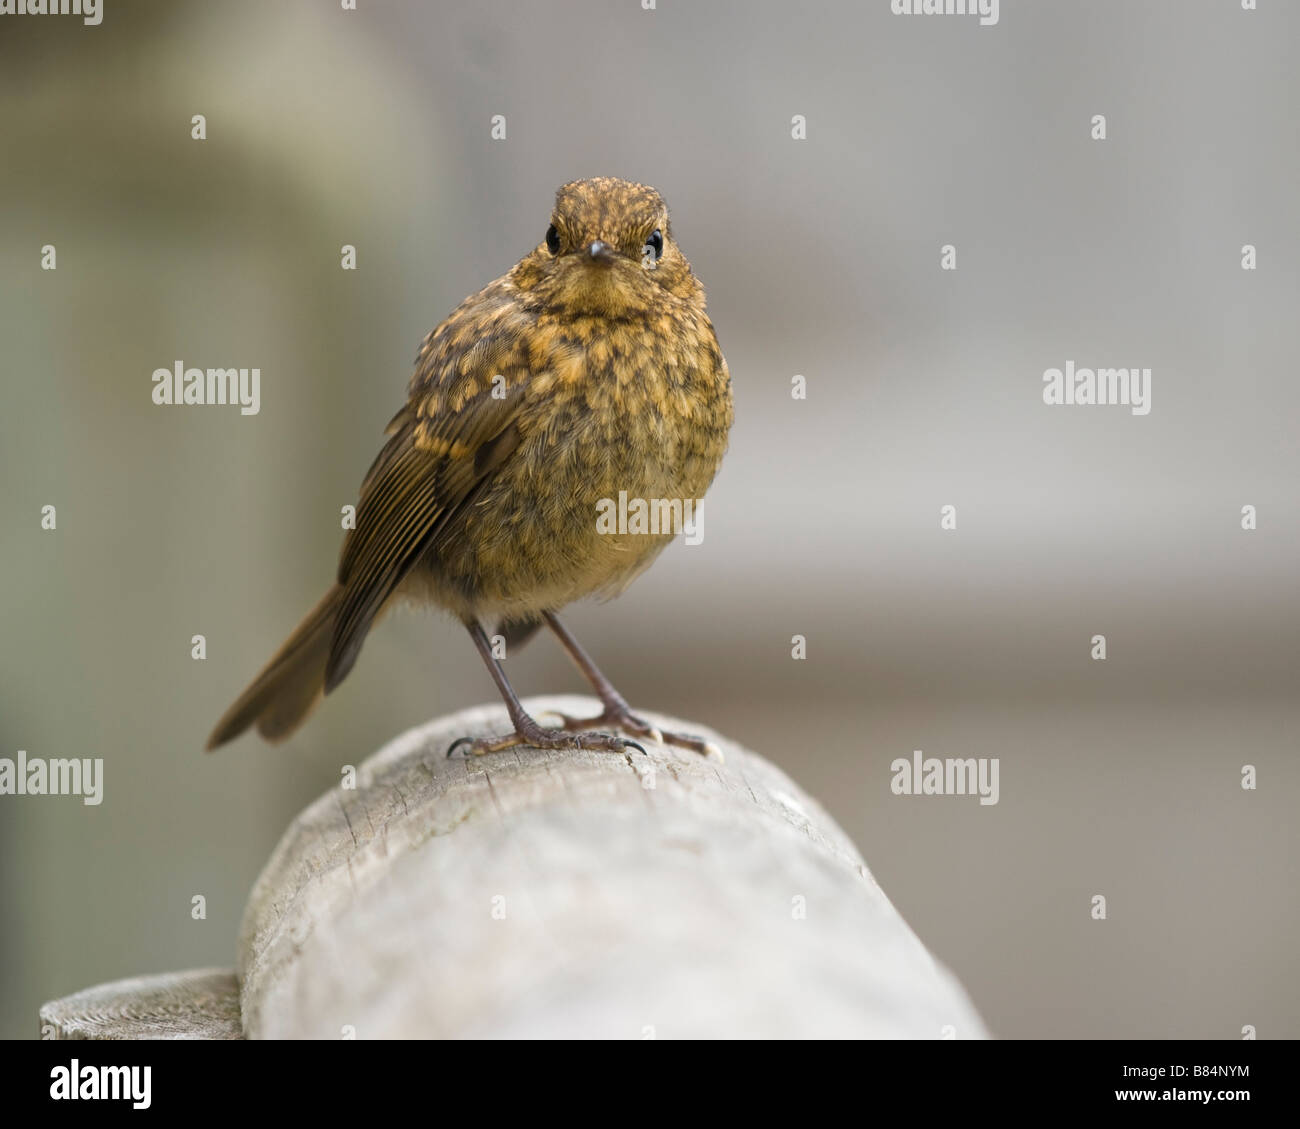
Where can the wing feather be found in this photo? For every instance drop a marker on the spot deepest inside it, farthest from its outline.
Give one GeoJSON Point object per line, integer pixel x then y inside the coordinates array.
{"type": "Point", "coordinates": [444, 445]}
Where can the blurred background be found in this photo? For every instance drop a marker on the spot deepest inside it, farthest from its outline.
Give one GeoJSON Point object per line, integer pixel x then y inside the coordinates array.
{"type": "Point", "coordinates": [821, 257]}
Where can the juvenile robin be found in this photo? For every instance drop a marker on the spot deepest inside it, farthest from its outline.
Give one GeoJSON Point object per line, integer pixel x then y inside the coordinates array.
{"type": "Point", "coordinates": [589, 369]}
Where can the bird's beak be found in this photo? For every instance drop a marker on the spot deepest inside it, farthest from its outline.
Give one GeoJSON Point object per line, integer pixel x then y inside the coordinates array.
{"type": "Point", "coordinates": [600, 252]}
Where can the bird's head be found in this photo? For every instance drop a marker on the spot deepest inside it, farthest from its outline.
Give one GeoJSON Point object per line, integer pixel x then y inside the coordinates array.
{"type": "Point", "coordinates": [608, 250]}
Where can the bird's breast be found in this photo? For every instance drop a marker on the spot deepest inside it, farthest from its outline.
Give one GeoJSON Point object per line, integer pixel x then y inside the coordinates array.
{"type": "Point", "coordinates": [622, 431]}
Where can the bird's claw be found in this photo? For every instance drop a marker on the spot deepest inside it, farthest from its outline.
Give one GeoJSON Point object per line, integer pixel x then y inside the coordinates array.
{"type": "Point", "coordinates": [630, 723]}
{"type": "Point", "coordinates": [543, 739]}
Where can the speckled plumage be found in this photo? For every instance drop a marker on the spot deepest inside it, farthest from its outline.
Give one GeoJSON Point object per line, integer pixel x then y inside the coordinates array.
{"type": "Point", "coordinates": [577, 375]}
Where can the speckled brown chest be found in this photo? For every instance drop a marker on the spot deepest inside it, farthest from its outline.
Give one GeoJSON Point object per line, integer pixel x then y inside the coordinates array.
{"type": "Point", "coordinates": [640, 404]}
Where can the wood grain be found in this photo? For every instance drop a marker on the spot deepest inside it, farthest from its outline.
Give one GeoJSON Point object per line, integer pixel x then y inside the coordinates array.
{"type": "Point", "coordinates": [553, 894]}
{"type": "Point", "coordinates": [203, 1004]}
{"type": "Point", "coordinates": [562, 894]}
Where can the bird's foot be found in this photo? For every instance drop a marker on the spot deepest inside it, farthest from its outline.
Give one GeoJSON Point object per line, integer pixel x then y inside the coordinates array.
{"type": "Point", "coordinates": [628, 722]}
{"type": "Point", "coordinates": [535, 736]}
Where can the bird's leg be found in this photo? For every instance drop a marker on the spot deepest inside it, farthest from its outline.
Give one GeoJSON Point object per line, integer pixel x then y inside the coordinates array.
{"type": "Point", "coordinates": [617, 712]}
{"type": "Point", "coordinates": [527, 731]}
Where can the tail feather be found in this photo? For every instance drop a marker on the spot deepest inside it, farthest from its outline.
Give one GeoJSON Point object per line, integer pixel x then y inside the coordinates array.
{"type": "Point", "coordinates": [288, 688]}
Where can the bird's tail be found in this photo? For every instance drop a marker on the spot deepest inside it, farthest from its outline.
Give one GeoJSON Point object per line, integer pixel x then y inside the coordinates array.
{"type": "Point", "coordinates": [287, 689]}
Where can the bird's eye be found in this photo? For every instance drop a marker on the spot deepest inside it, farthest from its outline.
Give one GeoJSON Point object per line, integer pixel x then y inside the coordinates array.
{"type": "Point", "coordinates": [553, 240]}
{"type": "Point", "coordinates": [655, 244]}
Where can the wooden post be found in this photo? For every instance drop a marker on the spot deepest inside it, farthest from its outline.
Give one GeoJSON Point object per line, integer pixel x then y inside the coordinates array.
{"type": "Point", "coordinates": [174, 1005]}
{"type": "Point", "coordinates": [562, 894]}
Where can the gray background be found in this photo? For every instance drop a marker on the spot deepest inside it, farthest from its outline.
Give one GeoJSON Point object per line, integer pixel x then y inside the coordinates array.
{"type": "Point", "coordinates": [821, 258]}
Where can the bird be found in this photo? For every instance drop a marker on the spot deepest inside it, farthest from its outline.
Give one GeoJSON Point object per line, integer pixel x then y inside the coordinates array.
{"type": "Point", "coordinates": [589, 369]}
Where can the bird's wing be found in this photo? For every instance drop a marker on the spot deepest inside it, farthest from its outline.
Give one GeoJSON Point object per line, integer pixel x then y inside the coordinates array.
{"type": "Point", "coordinates": [459, 425]}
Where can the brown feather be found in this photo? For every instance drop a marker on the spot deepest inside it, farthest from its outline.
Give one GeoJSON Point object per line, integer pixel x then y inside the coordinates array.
{"type": "Point", "coordinates": [296, 671]}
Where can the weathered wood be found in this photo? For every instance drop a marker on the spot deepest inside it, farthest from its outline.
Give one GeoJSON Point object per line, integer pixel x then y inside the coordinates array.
{"type": "Point", "coordinates": [203, 1004]}
{"type": "Point", "coordinates": [563, 894]}
{"type": "Point", "coordinates": [567, 894]}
